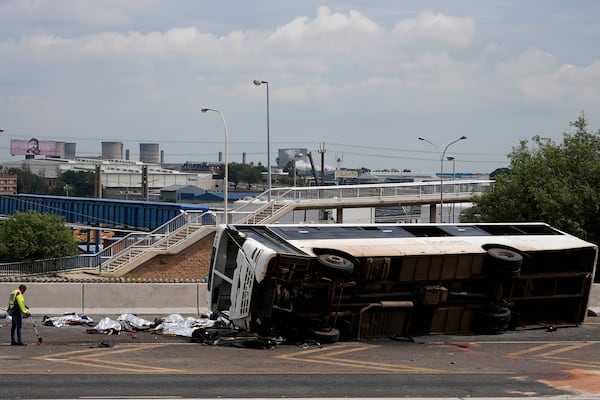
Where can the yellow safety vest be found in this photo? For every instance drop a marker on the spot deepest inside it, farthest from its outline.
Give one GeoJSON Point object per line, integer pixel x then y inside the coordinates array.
{"type": "Point", "coordinates": [16, 301]}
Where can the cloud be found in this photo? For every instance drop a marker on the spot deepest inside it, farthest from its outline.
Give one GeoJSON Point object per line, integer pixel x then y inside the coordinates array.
{"type": "Point", "coordinates": [338, 75]}
{"type": "Point", "coordinates": [328, 34]}
{"type": "Point", "coordinates": [329, 55]}
{"type": "Point", "coordinates": [76, 12]}
{"type": "Point", "coordinates": [539, 76]}
{"type": "Point", "coordinates": [531, 61]}
{"type": "Point", "coordinates": [306, 45]}
{"type": "Point", "coordinates": [564, 83]}
{"type": "Point", "coordinates": [434, 31]}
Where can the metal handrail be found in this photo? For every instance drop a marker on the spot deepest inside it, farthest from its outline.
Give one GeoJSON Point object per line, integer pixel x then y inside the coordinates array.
{"type": "Point", "coordinates": [122, 246]}
{"type": "Point", "coordinates": [157, 238]}
{"type": "Point", "coordinates": [425, 190]}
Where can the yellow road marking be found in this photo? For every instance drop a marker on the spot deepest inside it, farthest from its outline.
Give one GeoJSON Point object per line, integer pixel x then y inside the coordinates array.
{"type": "Point", "coordinates": [93, 358]}
{"type": "Point", "coordinates": [533, 349]}
{"type": "Point", "coordinates": [564, 349]}
{"type": "Point", "coordinates": [549, 353]}
{"type": "Point", "coordinates": [328, 356]}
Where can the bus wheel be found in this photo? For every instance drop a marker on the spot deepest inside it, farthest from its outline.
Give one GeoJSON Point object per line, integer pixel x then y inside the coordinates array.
{"type": "Point", "coordinates": [504, 263]}
{"type": "Point", "coordinates": [492, 322]}
{"type": "Point", "coordinates": [335, 264]}
{"type": "Point", "coordinates": [330, 335]}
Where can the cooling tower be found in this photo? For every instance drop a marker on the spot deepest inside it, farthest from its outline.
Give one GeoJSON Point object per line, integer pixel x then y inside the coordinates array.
{"type": "Point", "coordinates": [112, 150]}
{"type": "Point", "coordinates": [70, 150]}
{"type": "Point", "coordinates": [149, 153]}
{"type": "Point", "coordinates": [60, 150]}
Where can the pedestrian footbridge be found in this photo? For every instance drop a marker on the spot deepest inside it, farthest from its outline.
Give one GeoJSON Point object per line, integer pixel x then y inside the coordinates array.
{"type": "Point", "coordinates": [188, 227]}
{"type": "Point", "coordinates": [271, 206]}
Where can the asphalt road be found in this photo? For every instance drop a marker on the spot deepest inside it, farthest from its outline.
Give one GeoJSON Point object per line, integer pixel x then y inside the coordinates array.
{"type": "Point", "coordinates": [71, 363]}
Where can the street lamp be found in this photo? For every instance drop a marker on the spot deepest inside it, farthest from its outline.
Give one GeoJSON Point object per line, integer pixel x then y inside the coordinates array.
{"type": "Point", "coordinates": [442, 154]}
{"type": "Point", "coordinates": [258, 83]}
{"type": "Point", "coordinates": [452, 158]}
{"type": "Point", "coordinates": [226, 178]}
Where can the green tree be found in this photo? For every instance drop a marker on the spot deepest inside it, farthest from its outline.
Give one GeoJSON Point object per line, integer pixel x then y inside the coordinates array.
{"type": "Point", "coordinates": [549, 182]}
{"type": "Point", "coordinates": [251, 175]}
{"type": "Point", "coordinates": [235, 173]}
{"type": "Point", "coordinates": [28, 182]}
{"type": "Point", "coordinates": [74, 183]}
{"type": "Point", "coordinates": [29, 236]}
{"type": "Point", "coordinates": [244, 173]}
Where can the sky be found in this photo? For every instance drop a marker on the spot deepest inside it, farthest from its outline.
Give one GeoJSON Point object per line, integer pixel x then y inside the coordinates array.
{"type": "Point", "coordinates": [360, 79]}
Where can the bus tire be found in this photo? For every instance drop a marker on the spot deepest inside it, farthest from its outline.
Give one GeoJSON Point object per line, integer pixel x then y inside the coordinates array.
{"type": "Point", "coordinates": [331, 335]}
{"type": "Point", "coordinates": [335, 264]}
{"type": "Point", "coordinates": [504, 263]}
{"type": "Point", "coordinates": [491, 322]}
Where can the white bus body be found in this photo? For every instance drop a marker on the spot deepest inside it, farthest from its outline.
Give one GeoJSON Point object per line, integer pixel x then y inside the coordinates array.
{"type": "Point", "coordinates": [380, 280]}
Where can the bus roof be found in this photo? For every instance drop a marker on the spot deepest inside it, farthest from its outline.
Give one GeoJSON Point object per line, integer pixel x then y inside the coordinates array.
{"type": "Point", "coordinates": [414, 239]}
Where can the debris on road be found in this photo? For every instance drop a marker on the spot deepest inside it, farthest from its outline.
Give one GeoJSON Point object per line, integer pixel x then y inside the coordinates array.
{"type": "Point", "coordinates": [104, 344]}
{"type": "Point", "coordinates": [213, 330]}
{"type": "Point", "coordinates": [67, 319]}
{"type": "Point", "coordinates": [132, 323]}
{"type": "Point", "coordinates": [107, 326]}
{"type": "Point", "coordinates": [177, 325]}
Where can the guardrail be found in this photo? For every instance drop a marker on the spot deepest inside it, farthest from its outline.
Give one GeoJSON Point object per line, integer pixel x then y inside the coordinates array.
{"type": "Point", "coordinates": [427, 191]}
{"type": "Point", "coordinates": [48, 266]}
{"type": "Point", "coordinates": [95, 261]}
{"type": "Point", "coordinates": [151, 238]}
{"type": "Point", "coordinates": [348, 192]}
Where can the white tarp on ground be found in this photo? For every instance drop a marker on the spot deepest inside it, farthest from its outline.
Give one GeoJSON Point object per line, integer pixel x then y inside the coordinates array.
{"type": "Point", "coordinates": [68, 319]}
{"type": "Point", "coordinates": [177, 325]}
{"type": "Point", "coordinates": [107, 325]}
{"type": "Point", "coordinates": [172, 325]}
{"type": "Point", "coordinates": [134, 322]}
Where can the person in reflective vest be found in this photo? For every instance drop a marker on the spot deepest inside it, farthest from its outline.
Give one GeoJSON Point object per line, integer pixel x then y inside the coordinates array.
{"type": "Point", "coordinates": [17, 309]}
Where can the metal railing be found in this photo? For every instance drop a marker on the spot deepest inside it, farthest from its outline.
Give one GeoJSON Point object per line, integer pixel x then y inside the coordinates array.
{"type": "Point", "coordinates": [159, 237]}
{"type": "Point", "coordinates": [48, 266]}
{"type": "Point", "coordinates": [429, 191]}
{"type": "Point", "coordinates": [164, 237]}
{"type": "Point", "coordinates": [349, 192]}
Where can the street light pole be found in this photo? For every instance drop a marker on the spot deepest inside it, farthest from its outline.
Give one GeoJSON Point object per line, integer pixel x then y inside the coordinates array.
{"type": "Point", "coordinates": [258, 83]}
{"type": "Point", "coordinates": [226, 177]}
{"type": "Point", "coordinates": [442, 154]}
{"type": "Point", "coordinates": [452, 158]}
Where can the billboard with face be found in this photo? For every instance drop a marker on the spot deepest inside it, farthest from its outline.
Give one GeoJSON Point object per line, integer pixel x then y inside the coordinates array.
{"type": "Point", "coordinates": [32, 147]}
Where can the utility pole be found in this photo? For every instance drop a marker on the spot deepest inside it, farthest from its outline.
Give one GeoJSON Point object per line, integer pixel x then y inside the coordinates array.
{"type": "Point", "coordinates": [98, 182]}
{"type": "Point", "coordinates": [145, 182]}
{"type": "Point", "coordinates": [322, 151]}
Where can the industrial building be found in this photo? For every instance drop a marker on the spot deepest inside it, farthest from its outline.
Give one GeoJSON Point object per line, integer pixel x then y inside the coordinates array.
{"type": "Point", "coordinates": [121, 178]}
{"type": "Point", "coordinates": [8, 184]}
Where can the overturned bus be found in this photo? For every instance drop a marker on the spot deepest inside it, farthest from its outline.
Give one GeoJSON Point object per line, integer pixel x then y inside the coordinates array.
{"type": "Point", "coordinates": [338, 281]}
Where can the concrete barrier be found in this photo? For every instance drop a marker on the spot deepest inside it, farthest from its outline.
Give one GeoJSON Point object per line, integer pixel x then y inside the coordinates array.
{"type": "Point", "coordinates": [112, 298]}
{"type": "Point", "coordinates": [136, 298]}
